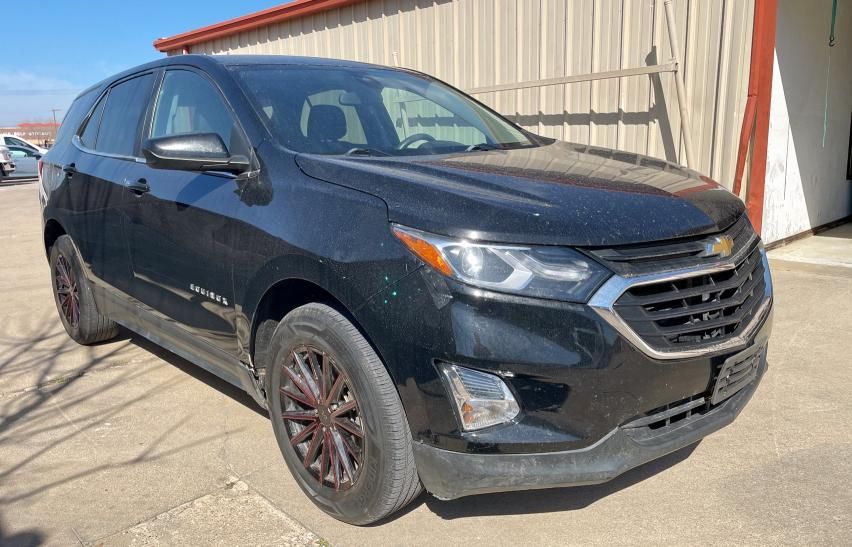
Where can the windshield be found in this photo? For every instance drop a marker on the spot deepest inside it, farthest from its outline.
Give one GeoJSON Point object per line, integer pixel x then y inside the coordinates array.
{"type": "Point", "coordinates": [372, 111]}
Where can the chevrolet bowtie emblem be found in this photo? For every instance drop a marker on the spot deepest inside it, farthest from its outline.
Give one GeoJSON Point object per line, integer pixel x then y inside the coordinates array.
{"type": "Point", "coordinates": [721, 246]}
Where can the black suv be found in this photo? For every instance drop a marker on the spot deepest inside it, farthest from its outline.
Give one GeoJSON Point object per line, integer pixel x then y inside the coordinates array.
{"type": "Point", "coordinates": [419, 291]}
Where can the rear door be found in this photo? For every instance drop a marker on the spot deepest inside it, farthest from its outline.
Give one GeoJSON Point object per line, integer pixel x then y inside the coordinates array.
{"type": "Point", "coordinates": [181, 230]}
{"type": "Point", "coordinates": [107, 158]}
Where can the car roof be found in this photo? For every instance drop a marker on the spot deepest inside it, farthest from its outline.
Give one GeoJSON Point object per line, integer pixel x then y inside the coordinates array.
{"type": "Point", "coordinates": [237, 60]}
{"type": "Point", "coordinates": [210, 61]}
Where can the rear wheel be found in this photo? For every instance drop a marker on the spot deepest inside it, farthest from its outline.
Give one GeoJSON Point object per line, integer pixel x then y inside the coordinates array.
{"type": "Point", "coordinates": [73, 296]}
{"type": "Point", "coordinates": [338, 418]}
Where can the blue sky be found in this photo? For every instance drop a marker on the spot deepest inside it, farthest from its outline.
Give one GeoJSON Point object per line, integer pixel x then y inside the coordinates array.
{"type": "Point", "coordinates": [52, 48]}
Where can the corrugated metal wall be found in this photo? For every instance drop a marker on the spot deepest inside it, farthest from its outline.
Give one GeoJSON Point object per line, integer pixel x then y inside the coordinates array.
{"type": "Point", "coordinates": [477, 43]}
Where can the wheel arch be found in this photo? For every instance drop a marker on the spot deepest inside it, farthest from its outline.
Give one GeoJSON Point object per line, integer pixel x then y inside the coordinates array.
{"type": "Point", "coordinates": [284, 296]}
{"type": "Point", "coordinates": [53, 230]}
{"type": "Point", "coordinates": [278, 300]}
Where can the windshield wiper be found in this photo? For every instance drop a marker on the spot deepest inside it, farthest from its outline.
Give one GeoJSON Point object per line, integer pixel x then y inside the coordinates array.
{"type": "Point", "coordinates": [366, 152]}
{"type": "Point", "coordinates": [481, 147]}
{"type": "Point", "coordinates": [519, 144]}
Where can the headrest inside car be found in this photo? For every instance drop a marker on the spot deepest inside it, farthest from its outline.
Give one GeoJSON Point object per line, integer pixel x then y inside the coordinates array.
{"type": "Point", "coordinates": [326, 123]}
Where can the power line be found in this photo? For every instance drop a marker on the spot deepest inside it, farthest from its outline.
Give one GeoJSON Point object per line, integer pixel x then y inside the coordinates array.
{"type": "Point", "coordinates": [38, 91]}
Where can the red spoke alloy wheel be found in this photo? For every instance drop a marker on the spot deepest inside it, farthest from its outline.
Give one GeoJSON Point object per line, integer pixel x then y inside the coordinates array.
{"type": "Point", "coordinates": [68, 292]}
{"type": "Point", "coordinates": [322, 418]}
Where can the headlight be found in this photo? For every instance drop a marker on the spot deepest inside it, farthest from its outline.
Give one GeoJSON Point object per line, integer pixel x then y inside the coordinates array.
{"type": "Point", "coordinates": [544, 272]}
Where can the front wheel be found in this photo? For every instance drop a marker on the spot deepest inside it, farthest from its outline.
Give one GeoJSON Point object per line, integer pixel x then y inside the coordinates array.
{"type": "Point", "coordinates": [338, 418]}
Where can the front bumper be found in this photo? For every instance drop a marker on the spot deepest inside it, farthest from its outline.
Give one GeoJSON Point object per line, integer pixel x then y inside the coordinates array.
{"type": "Point", "coordinates": [450, 475]}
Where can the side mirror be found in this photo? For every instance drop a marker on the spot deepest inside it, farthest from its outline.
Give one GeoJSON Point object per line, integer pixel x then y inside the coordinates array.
{"type": "Point", "coordinates": [192, 152]}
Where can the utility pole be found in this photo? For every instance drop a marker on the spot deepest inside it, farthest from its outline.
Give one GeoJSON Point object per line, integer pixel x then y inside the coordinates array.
{"type": "Point", "coordinates": [53, 132]}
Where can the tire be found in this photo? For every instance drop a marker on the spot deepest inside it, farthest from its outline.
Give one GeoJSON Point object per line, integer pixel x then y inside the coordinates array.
{"type": "Point", "coordinates": [381, 477]}
{"type": "Point", "coordinates": [72, 294]}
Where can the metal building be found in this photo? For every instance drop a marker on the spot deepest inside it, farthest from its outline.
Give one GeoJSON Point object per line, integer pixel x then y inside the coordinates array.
{"type": "Point", "coordinates": [601, 72]}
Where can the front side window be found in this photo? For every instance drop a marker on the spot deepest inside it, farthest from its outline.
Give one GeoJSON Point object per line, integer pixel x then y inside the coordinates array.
{"type": "Point", "coordinates": [17, 142]}
{"type": "Point", "coordinates": [125, 106]}
{"type": "Point", "coordinates": [339, 110]}
{"type": "Point", "coordinates": [22, 152]}
{"type": "Point", "coordinates": [188, 103]}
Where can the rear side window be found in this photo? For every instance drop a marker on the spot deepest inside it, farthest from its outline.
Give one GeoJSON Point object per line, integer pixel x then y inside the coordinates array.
{"type": "Point", "coordinates": [188, 103]}
{"type": "Point", "coordinates": [122, 116]}
{"type": "Point", "coordinates": [90, 132]}
{"type": "Point", "coordinates": [74, 116]}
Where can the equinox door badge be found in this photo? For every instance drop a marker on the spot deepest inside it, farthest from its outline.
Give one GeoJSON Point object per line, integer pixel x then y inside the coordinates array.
{"type": "Point", "coordinates": [218, 298]}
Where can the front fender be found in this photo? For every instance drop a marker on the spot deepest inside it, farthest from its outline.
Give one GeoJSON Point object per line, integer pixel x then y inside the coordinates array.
{"type": "Point", "coordinates": [334, 237]}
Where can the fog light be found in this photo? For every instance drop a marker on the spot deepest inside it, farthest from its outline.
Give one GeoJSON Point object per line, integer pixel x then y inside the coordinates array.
{"type": "Point", "coordinates": [481, 399]}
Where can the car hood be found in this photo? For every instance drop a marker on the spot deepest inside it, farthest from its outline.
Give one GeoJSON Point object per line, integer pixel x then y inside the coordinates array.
{"type": "Point", "coordinates": [558, 194]}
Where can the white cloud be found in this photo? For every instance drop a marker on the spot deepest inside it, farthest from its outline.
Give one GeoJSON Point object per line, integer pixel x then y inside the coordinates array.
{"type": "Point", "coordinates": [19, 79]}
{"type": "Point", "coordinates": [27, 96]}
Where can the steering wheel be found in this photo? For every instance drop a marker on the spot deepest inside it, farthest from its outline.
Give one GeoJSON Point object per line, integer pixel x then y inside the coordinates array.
{"type": "Point", "coordinates": [411, 139]}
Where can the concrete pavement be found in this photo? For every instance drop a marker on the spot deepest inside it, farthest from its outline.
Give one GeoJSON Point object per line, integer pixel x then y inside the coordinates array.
{"type": "Point", "coordinates": [126, 444]}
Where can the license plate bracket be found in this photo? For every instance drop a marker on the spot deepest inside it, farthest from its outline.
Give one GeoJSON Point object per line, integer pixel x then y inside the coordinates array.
{"type": "Point", "coordinates": [737, 372]}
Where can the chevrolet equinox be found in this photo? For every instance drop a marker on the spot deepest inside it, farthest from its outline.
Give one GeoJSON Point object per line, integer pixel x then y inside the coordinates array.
{"type": "Point", "coordinates": [422, 294]}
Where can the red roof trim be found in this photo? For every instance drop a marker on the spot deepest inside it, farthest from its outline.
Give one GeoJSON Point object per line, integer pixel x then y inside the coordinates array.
{"type": "Point", "coordinates": [291, 10]}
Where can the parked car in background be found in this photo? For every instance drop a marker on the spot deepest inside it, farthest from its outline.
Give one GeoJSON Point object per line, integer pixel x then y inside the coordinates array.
{"type": "Point", "coordinates": [12, 140]}
{"type": "Point", "coordinates": [26, 160]}
{"type": "Point", "coordinates": [7, 162]}
{"type": "Point", "coordinates": [422, 293]}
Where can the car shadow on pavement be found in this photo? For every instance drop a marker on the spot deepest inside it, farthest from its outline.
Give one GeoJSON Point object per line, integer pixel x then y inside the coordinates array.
{"type": "Point", "coordinates": [27, 538]}
{"type": "Point", "coordinates": [17, 182]}
{"type": "Point", "coordinates": [224, 387]}
{"type": "Point", "coordinates": [26, 415]}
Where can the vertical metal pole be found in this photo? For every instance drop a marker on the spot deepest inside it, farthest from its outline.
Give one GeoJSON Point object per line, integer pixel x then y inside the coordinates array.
{"type": "Point", "coordinates": [686, 127]}
{"type": "Point", "coordinates": [766, 16]}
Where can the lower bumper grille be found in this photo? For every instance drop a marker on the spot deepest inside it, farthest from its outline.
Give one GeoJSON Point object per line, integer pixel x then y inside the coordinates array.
{"type": "Point", "coordinates": [734, 375]}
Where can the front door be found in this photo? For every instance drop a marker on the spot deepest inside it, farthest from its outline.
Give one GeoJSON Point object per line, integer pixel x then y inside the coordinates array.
{"type": "Point", "coordinates": [180, 223]}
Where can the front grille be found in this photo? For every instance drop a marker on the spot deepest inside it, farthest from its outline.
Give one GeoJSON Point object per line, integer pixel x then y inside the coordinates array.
{"type": "Point", "coordinates": [696, 311]}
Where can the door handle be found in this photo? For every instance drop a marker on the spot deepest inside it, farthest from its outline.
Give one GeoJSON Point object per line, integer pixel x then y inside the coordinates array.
{"type": "Point", "coordinates": [138, 187]}
{"type": "Point", "coordinates": [69, 170]}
